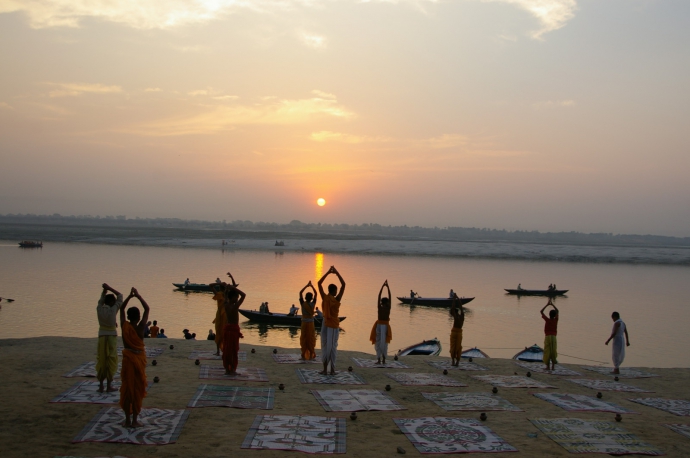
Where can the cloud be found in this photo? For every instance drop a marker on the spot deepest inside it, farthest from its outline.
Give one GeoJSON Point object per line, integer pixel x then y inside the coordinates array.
{"type": "Point", "coordinates": [328, 136]}
{"type": "Point", "coordinates": [322, 94]}
{"type": "Point", "coordinates": [554, 103]}
{"type": "Point", "coordinates": [313, 41]}
{"type": "Point", "coordinates": [76, 89]}
{"type": "Point", "coordinates": [446, 141]}
{"type": "Point", "coordinates": [552, 14]}
{"type": "Point", "coordinates": [6, 106]}
{"type": "Point", "coordinates": [226, 97]}
{"type": "Point", "coordinates": [153, 89]}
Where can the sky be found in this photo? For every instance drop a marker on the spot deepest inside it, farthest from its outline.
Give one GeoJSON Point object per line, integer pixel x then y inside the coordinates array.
{"type": "Point", "coordinates": [550, 115]}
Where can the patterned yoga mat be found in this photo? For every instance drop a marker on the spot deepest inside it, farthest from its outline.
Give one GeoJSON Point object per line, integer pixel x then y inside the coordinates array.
{"type": "Point", "coordinates": [511, 381]}
{"type": "Point", "coordinates": [451, 435]}
{"type": "Point", "coordinates": [680, 429]}
{"type": "Point", "coordinates": [607, 385]}
{"type": "Point", "coordinates": [581, 436]}
{"type": "Point", "coordinates": [160, 426]}
{"type": "Point", "coordinates": [89, 370]}
{"type": "Point", "coordinates": [198, 354]}
{"type": "Point", "coordinates": [541, 368]}
{"type": "Point", "coordinates": [424, 379]}
{"type": "Point", "coordinates": [675, 406]}
{"type": "Point", "coordinates": [309, 434]}
{"type": "Point", "coordinates": [239, 397]}
{"type": "Point", "coordinates": [470, 401]}
{"type": "Point", "coordinates": [340, 378]}
{"type": "Point", "coordinates": [150, 352]}
{"type": "Point", "coordinates": [371, 363]}
{"type": "Point", "coordinates": [293, 358]}
{"type": "Point", "coordinates": [462, 366]}
{"type": "Point", "coordinates": [244, 374]}
{"type": "Point", "coordinates": [580, 403]}
{"type": "Point", "coordinates": [87, 392]}
{"type": "Point", "coordinates": [625, 372]}
{"type": "Point", "coordinates": [355, 400]}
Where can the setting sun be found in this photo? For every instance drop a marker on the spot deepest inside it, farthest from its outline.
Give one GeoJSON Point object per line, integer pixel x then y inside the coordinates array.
{"type": "Point", "coordinates": [321, 201]}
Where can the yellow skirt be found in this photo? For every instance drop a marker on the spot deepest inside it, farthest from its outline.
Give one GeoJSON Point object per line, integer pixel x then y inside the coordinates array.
{"type": "Point", "coordinates": [550, 349]}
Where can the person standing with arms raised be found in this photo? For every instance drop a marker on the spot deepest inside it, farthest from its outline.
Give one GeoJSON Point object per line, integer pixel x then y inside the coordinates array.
{"type": "Point", "coordinates": [618, 351]}
{"type": "Point", "coordinates": [133, 374]}
{"type": "Point", "coordinates": [220, 320]}
{"type": "Point", "coordinates": [231, 331]}
{"type": "Point", "coordinates": [381, 334]}
{"type": "Point", "coordinates": [106, 356]}
{"type": "Point", "coordinates": [330, 329]}
{"type": "Point", "coordinates": [307, 336]}
{"type": "Point", "coordinates": [456, 332]}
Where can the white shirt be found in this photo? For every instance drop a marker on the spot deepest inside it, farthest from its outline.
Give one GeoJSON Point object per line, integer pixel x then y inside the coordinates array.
{"type": "Point", "coordinates": [107, 315]}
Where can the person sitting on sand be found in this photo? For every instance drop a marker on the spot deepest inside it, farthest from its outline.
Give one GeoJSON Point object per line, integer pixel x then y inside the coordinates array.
{"type": "Point", "coordinates": [456, 332]}
{"type": "Point", "coordinates": [133, 373]}
{"type": "Point", "coordinates": [330, 330]}
{"type": "Point", "coordinates": [381, 333]}
{"type": "Point", "coordinates": [106, 354]}
{"type": "Point", "coordinates": [318, 314]}
{"type": "Point", "coordinates": [618, 350]}
{"type": "Point", "coordinates": [161, 334]}
{"type": "Point", "coordinates": [211, 335]}
{"type": "Point", "coordinates": [218, 280]}
{"type": "Point", "coordinates": [451, 294]}
{"type": "Point", "coordinates": [188, 335]}
{"type": "Point", "coordinates": [154, 329]}
{"type": "Point", "coordinates": [307, 336]}
{"type": "Point", "coordinates": [550, 331]}
{"type": "Point", "coordinates": [293, 310]}
{"type": "Point", "coordinates": [147, 330]}
{"type": "Point", "coordinates": [231, 333]}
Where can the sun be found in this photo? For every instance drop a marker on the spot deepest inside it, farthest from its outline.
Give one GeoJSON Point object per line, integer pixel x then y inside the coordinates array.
{"type": "Point", "coordinates": [321, 201]}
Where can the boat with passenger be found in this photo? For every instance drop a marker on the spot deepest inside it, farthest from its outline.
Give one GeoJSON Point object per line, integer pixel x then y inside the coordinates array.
{"type": "Point", "coordinates": [31, 244]}
{"type": "Point", "coordinates": [279, 318]}
{"type": "Point", "coordinates": [433, 301]}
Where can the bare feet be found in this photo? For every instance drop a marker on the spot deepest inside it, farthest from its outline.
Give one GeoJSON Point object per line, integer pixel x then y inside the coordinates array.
{"type": "Point", "coordinates": [324, 372]}
{"type": "Point", "coordinates": [378, 361]}
{"type": "Point", "coordinates": [384, 361]}
{"type": "Point", "coordinates": [136, 424]}
{"type": "Point", "coordinates": [100, 388]}
{"type": "Point", "coordinates": [110, 389]}
{"type": "Point", "coordinates": [333, 372]}
{"type": "Point", "coordinates": [615, 371]}
{"type": "Point", "coordinates": [127, 423]}
{"type": "Point", "coordinates": [227, 372]}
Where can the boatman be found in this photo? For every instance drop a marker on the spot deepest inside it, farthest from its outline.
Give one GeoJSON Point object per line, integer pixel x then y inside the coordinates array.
{"type": "Point", "coordinates": [231, 332]}
{"type": "Point", "coordinates": [619, 330]}
{"type": "Point", "coordinates": [381, 334]}
{"type": "Point", "coordinates": [106, 359]}
{"type": "Point", "coordinates": [307, 336]}
{"type": "Point", "coordinates": [550, 331]}
{"type": "Point", "coordinates": [456, 332]}
{"type": "Point", "coordinates": [133, 374]}
{"type": "Point", "coordinates": [330, 330]}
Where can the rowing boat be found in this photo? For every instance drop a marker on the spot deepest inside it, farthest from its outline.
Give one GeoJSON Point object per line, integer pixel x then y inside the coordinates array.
{"type": "Point", "coordinates": [193, 287]}
{"type": "Point", "coordinates": [537, 292]}
{"type": "Point", "coordinates": [424, 348]}
{"type": "Point", "coordinates": [534, 354]}
{"type": "Point", "coordinates": [30, 244]}
{"type": "Point", "coordinates": [434, 301]}
{"type": "Point", "coordinates": [473, 353]}
{"type": "Point", "coordinates": [279, 318]}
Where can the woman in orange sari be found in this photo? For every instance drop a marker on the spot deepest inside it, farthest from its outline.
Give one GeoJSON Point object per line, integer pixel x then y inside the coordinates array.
{"type": "Point", "coordinates": [133, 373]}
{"type": "Point", "coordinates": [307, 336]}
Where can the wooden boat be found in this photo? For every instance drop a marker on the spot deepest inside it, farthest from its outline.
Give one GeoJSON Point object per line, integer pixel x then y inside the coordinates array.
{"type": "Point", "coordinates": [434, 301]}
{"type": "Point", "coordinates": [473, 353]}
{"type": "Point", "coordinates": [424, 348]}
{"type": "Point", "coordinates": [193, 287]}
{"type": "Point", "coordinates": [533, 354]}
{"type": "Point", "coordinates": [279, 318]}
{"type": "Point", "coordinates": [537, 292]}
{"type": "Point", "coordinates": [30, 244]}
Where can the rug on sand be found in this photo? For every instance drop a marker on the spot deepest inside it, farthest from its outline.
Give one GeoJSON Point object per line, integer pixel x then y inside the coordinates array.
{"type": "Point", "coordinates": [582, 436]}
{"type": "Point", "coordinates": [581, 403]}
{"type": "Point", "coordinates": [680, 429]}
{"type": "Point", "coordinates": [293, 358]}
{"type": "Point", "coordinates": [511, 381]}
{"type": "Point", "coordinates": [462, 366]}
{"type": "Point", "coordinates": [361, 362]}
{"type": "Point", "coordinates": [424, 379]}
{"type": "Point", "coordinates": [541, 368]}
{"type": "Point", "coordinates": [87, 392]}
{"type": "Point", "coordinates": [151, 352]}
{"type": "Point", "coordinates": [89, 370]}
{"type": "Point", "coordinates": [470, 401]}
{"type": "Point", "coordinates": [159, 427]}
{"type": "Point", "coordinates": [674, 406]}
{"type": "Point", "coordinates": [626, 372]}
{"type": "Point", "coordinates": [355, 400]}
{"type": "Point", "coordinates": [198, 354]}
{"type": "Point", "coordinates": [244, 374]}
{"type": "Point", "coordinates": [239, 397]}
{"type": "Point", "coordinates": [340, 378]}
{"type": "Point", "coordinates": [607, 385]}
{"type": "Point", "coordinates": [309, 434]}
{"type": "Point", "coordinates": [451, 435]}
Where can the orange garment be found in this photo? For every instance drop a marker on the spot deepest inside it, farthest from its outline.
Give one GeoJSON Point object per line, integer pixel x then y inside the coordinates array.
{"type": "Point", "coordinates": [307, 340]}
{"type": "Point", "coordinates": [456, 343]}
{"type": "Point", "coordinates": [133, 373]}
{"type": "Point", "coordinates": [154, 331]}
{"type": "Point", "coordinates": [231, 345]}
{"type": "Point", "coordinates": [220, 320]}
{"type": "Point", "coordinates": [389, 333]}
{"type": "Point", "coordinates": [331, 307]}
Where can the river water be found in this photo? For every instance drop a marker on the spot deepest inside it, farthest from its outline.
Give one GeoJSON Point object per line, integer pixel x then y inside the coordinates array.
{"type": "Point", "coordinates": [56, 289]}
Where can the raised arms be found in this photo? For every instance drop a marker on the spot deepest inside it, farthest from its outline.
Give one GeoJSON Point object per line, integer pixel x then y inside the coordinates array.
{"type": "Point", "coordinates": [124, 306]}
{"type": "Point", "coordinates": [235, 284]}
{"type": "Point", "coordinates": [547, 304]}
{"type": "Point", "coordinates": [145, 316]}
{"type": "Point", "coordinates": [308, 285]}
{"type": "Point", "coordinates": [385, 285]}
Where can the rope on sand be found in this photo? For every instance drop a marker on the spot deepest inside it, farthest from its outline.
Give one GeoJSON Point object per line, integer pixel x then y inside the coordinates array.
{"type": "Point", "coordinates": [559, 353]}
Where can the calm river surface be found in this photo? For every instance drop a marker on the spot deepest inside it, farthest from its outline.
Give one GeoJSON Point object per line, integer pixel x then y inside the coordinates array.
{"type": "Point", "coordinates": [56, 290]}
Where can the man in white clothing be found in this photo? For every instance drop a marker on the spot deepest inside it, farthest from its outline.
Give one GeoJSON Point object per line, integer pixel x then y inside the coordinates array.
{"type": "Point", "coordinates": [107, 310]}
{"type": "Point", "coordinates": [619, 344]}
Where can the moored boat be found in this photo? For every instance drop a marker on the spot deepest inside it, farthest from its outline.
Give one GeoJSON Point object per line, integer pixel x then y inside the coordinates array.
{"type": "Point", "coordinates": [193, 287]}
{"type": "Point", "coordinates": [279, 318]}
{"type": "Point", "coordinates": [534, 354]}
{"type": "Point", "coordinates": [30, 244]}
{"type": "Point", "coordinates": [537, 292]}
{"type": "Point", "coordinates": [424, 348]}
{"type": "Point", "coordinates": [474, 353]}
{"type": "Point", "coordinates": [433, 301]}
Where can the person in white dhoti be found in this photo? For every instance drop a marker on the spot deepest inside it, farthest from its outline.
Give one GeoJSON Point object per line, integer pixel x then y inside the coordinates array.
{"type": "Point", "coordinates": [381, 333]}
{"type": "Point", "coordinates": [330, 329]}
{"type": "Point", "coordinates": [619, 342]}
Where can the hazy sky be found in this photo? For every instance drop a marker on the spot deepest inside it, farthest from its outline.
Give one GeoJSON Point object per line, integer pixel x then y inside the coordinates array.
{"type": "Point", "coordinates": [517, 114]}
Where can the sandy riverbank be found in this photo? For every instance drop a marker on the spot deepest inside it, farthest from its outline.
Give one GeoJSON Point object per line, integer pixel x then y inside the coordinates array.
{"type": "Point", "coordinates": [31, 426]}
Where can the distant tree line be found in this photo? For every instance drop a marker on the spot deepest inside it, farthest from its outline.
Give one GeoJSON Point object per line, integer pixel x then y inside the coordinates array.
{"type": "Point", "coordinates": [298, 229]}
